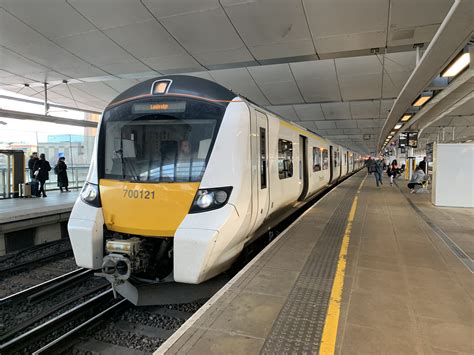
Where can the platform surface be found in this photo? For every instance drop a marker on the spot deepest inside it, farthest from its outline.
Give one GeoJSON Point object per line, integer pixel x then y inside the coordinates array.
{"type": "Point", "coordinates": [17, 209]}
{"type": "Point", "coordinates": [405, 290]}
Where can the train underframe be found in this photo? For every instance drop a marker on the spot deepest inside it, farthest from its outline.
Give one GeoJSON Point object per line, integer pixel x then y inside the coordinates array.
{"type": "Point", "coordinates": [137, 258]}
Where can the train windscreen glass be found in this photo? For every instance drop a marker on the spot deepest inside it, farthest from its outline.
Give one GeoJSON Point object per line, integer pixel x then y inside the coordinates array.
{"type": "Point", "coordinates": [158, 141]}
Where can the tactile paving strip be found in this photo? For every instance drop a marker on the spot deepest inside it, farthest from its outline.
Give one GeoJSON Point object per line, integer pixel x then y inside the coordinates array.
{"type": "Point", "coordinates": [299, 326]}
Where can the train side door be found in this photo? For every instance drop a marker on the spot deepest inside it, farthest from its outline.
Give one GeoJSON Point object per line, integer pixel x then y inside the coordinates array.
{"type": "Point", "coordinates": [331, 163]}
{"type": "Point", "coordinates": [263, 167]}
{"type": "Point", "coordinates": [303, 168]}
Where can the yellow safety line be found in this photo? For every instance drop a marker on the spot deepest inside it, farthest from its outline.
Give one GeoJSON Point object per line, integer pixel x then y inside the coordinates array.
{"type": "Point", "coordinates": [328, 340]}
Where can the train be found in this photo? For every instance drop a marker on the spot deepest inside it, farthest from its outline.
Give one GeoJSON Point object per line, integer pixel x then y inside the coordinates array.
{"type": "Point", "coordinates": [185, 174]}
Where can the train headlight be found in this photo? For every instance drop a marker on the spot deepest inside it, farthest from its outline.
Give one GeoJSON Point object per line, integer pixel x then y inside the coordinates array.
{"type": "Point", "coordinates": [210, 199]}
{"type": "Point", "coordinates": [90, 194]}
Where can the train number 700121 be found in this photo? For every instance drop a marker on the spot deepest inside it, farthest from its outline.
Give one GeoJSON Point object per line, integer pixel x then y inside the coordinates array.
{"type": "Point", "coordinates": [144, 194]}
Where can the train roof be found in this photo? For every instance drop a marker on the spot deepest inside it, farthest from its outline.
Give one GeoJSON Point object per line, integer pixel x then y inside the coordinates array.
{"type": "Point", "coordinates": [180, 85]}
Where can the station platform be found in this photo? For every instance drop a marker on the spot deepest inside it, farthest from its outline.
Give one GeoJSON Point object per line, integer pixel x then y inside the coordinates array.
{"type": "Point", "coordinates": [17, 209]}
{"type": "Point", "coordinates": [361, 272]}
{"type": "Point", "coordinates": [30, 221]}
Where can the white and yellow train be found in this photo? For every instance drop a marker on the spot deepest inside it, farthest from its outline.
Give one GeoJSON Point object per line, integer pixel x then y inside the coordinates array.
{"type": "Point", "coordinates": [185, 174]}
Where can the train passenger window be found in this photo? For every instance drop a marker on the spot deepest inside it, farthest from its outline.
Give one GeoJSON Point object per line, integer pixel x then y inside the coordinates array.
{"type": "Point", "coordinates": [285, 159]}
{"type": "Point", "coordinates": [325, 155]}
{"type": "Point", "coordinates": [336, 158]}
{"type": "Point", "coordinates": [263, 158]}
{"type": "Point", "coordinates": [316, 159]}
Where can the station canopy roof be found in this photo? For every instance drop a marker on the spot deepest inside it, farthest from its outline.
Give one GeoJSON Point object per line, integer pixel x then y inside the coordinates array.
{"type": "Point", "coordinates": [333, 66]}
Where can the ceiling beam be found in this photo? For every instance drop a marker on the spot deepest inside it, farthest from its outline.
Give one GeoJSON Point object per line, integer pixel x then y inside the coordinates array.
{"type": "Point", "coordinates": [43, 118]}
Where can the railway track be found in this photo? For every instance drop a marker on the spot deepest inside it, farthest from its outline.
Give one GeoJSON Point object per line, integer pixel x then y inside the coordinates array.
{"type": "Point", "coordinates": [54, 328]}
{"type": "Point", "coordinates": [34, 257]}
{"type": "Point", "coordinates": [28, 312]}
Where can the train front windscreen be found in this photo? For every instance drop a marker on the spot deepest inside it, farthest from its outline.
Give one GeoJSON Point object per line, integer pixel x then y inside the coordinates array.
{"type": "Point", "coordinates": [158, 140]}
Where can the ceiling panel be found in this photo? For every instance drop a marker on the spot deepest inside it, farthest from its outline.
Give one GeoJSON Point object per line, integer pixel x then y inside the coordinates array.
{"type": "Point", "coordinates": [365, 109]}
{"type": "Point", "coordinates": [283, 34]}
{"type": "Point", "coordinates": [96, 48]}
{"type": "Point", "coordinates": [53, 18]}
{"type": "Point", "coordinates": [82, 71]}
{"type": "Point", "coordinates": [336, 111]}
{"type": "Point", "coordinates": [19, 34]}
{"type": "Point", "coordinates": [14, 63]}
{"type": "Point", "coordinates": [166, 8]}
{"type": "Point", "coordinates": [360, 87]}
{"type": "Point", "coordinates": [13, 79]}
{"type": "Point", "coordinates": [112, 13]}
{"type": "Point", "coordinates": [122, 84]}
{"type": "Point", "coordinates": [240, 81]}
{"type": "Point", "coordinates": [346, 124]}
{"type": "Point", "coordinates": [173, 62]}
{"type": "Point", "coordinates": [359, 24]}
{"type": "Point", "coordinates": [99, 90]}
{"type": "Point", "coordinates": [372, 123]}
{"type": "Point", "coordinates": [309, 112]}
{"type": "Point", "coordinates": [133, 66]}
{"type": "Point", "coordinates": [282, 93]}
{"type": "Point", "coordinates": [317, 80]}
{"type": "Point", "coordinates": [309, 125]}
{"type": "Point", "coordinates": [285, 111]}
{"type": "Point", "coordinates": [358, 66]}
{"type": "Point", "coordinates": [325, 124]}
{"type": "Point", "coordinates": [268, 74]}
{"type": "Point", "coordinates": [145, 39]}
{"type": "Point", "coordinates": [205, 32]}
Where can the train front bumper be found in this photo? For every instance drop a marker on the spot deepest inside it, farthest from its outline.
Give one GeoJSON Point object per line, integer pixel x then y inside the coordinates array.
{"type": "Point", "coordinates": [86, 232]}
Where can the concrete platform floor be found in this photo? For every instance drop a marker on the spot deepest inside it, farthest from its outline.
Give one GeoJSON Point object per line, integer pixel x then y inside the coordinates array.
{"type": "Point", "coordinates": [17, 209]}
{"type": "Point", "coordinates": [405, 291]}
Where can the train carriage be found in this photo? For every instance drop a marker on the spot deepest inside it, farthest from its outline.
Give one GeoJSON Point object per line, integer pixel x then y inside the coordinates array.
{"type": "Point", "coordinates": [185, 174]}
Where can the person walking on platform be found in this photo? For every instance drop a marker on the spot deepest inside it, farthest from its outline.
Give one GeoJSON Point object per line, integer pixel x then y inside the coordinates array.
{"type": "Point", "coordinates": [61, 171]}
{"type": "Point", "coordinates": [394, 171]}
{"type": "Point", "coordinates": [378, 171]}
{"type": "Point", "coordinates": [42, 169]}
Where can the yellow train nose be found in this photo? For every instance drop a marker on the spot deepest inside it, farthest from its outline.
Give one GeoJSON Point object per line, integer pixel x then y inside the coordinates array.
{"type": "Point", "coordinates": [146, 209]}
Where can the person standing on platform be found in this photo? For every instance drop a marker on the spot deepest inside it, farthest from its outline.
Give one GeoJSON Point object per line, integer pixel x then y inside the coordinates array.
{"type": "Point", "coordinates": [32, 167]}
{"type": "Point", "coordinates": [42, 174]}
{"type": "Point", "coordinates": [422, 165]}
{"type": "Point", "coordinates": [61, 170]}
{"type": "Point", "coordinates": [378, 171]}
{"type": "Point", "coordinates": [368, 164]}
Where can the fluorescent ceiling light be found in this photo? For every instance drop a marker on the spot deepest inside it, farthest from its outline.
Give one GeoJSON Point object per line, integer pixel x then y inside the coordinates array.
{"type": "Point", "coordinates": [398, 126]}
{"type": "Point", "coordinates": [457, 66]}
{"type": "Point", "coordinates": [423, 98]}
{"type": "Point", "coordinates": [389, 137]}
{"type": "Point", "coordinates": [405, 118]}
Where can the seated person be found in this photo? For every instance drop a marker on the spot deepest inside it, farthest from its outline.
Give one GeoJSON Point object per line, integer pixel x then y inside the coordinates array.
{"type": "Point", "coordinates": [417, 179]}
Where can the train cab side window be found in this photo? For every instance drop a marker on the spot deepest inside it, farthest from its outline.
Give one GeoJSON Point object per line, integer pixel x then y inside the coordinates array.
{"type": "Point", "coordinates": [316, 159]}
{"type": "Point", "coordinates": [263, 158]}
{"type": "Point", "coordinates": [325, 155]}
{"type": "Point", "coordinates": [336, 158]}
{"type": "Point", "coordinates": [285, 159]}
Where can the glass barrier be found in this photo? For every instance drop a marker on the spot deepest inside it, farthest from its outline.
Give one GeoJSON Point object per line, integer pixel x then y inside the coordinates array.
{"type": "Point", "coordinates": [75, 148]}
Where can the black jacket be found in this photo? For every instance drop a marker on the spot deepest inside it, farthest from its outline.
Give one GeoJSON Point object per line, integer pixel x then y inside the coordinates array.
{"type": "Point", "coordinates": [32, 164]}
{"type": "Point", "coordinates": [44, 168]}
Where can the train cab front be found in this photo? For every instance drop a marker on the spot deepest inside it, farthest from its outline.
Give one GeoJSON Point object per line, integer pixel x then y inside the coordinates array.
{"type": "Point", "coordinates": [151, 155]}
